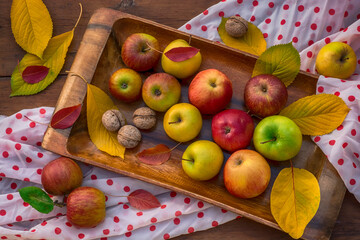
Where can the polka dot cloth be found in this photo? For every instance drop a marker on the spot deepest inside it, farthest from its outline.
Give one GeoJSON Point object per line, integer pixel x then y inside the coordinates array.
{"type": "Point", "coordinates": [309, 25]}
{"type": "Point", "coordinates": [21, 163]}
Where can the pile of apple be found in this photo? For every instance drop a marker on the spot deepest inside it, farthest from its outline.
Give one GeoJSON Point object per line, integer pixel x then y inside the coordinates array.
{"type": "Point", "coordinates": [246, 172]}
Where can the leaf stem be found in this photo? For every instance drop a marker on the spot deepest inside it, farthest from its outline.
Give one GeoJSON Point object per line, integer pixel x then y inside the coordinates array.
{"type": "Point", "coordinates": [190, 37]}
{"type": "Point", "coordinates": [78, 75]}
{"type": "Point", "coordinates": [79, 16]}
{"type": "Point", "coordinates": [153, 48]}
{"type": "Point", "coordinates": [59, 204]}
{"type": "Point", "coordinates": [175, 146]}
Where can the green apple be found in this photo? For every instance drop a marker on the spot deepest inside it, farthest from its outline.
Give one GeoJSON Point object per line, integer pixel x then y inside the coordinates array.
{"type": "Point", "coordinates": [277, 138]}
{"type": "Point", "coordinates": [125, 85]}
{"type": "Point", "coordinates": [337, 60]}
{"type": "Point", "coordinates": [160, 91]}
{"type": "Point", "coordinates": [182, 122]}
{"type": "Point", "coordinates": [202, 160]}
{"type": "Point", "coordinates": [181, 69]}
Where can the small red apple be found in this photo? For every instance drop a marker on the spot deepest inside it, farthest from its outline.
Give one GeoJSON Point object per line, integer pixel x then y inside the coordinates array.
{"type": "Point", "coordinates": [265, 95]}
{"type": "Point", "coordinates": [85, 207]}
{"type": "Point", "coordinates": [232, 129]}
{"type": "Point", "coordinates": [61, 176]}
{"type": "Point", "coordinates": [140, 51]}
{"type": "Point", "coordinates": [210, 91]}
{"type": "Point", "coordinates": [246, 174]}
{"type": "Point", "coordinates": [125, 85]}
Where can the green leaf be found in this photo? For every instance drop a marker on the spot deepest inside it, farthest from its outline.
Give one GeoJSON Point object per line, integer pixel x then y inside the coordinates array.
{"type": "Point", "coordinates": [294, 200]}
{"type": "Point", "coordinates": [281, 60]}
{"type": "Point", "coordinates": [31, 25]}
{"type": "Point", "coordinates": [252, 42]}
{"type": "Point", "coordinates": [53, 58]}
{"type": "Point", "coordinates": [37, 198]}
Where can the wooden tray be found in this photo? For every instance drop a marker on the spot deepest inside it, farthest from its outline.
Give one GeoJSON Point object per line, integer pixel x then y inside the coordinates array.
{"type": "Point", "coordinates": [99, 56]}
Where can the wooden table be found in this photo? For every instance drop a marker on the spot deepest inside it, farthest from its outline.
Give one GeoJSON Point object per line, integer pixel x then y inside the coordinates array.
{"type": "Point", "coordinates": [173, 13]}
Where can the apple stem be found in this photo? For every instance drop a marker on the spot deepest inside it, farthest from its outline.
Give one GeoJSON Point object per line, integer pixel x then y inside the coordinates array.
{"type": "Point", "coordinates": [190, 36]}
{"type": "Point", "coordinates": [34, 121]}
{"type": "Point", "coordinates": [78, 75]}
{"type": "Point", "coordinates": [150, 47]}
{"type": "Point", "coordinates": [175, 146]}
{"type": "Point", "coordinates": [178, 121]}
{"type": "Point", "coordinates": [271, 140]}
{"type": "Point", "coordinates": [188, 160]}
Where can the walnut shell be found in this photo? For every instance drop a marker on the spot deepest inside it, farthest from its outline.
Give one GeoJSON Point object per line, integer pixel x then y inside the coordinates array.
{"type": "Point", "coordinates": [144, 118]}
{"type": "Point", "coordinates": [236, 26]}
{"type": "Point", "coordinates": [113, 120]}
{"type": "Point", "coordinates": [129, 136]}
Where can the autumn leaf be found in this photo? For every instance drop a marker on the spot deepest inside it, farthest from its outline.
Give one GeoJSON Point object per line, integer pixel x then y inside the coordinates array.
{"type": "Point", "coordinates": [37, 198]}
{"type": "Point", "coordinates": [317, 114]}
{"type": "Point", "coordinates": [65, 117]}
{"type": "Point", "coordinates": [294, 200]}
{"type": "Point", "coordinates": [53, 58]}
{"type": "Point", "coordinates": [180, 54]}
{"type": "Point", "coordinates": [34, 74]}
{"type": "Point", "coordinates": [98, 102]}
{"type": "Point", "coordinates": [282, 61]}
{"type": "Point", "coordinates": [31, 25]}
{"type": "Point", "coordinates": [252, 42]}
{"type": "Point", "coordinates": [154, 156]}
{"type": "Point", "coordinates": [143, 200]}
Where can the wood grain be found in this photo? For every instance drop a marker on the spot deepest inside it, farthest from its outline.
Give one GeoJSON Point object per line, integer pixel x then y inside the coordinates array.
{"type": "Point", "coordinates": [99, 56]}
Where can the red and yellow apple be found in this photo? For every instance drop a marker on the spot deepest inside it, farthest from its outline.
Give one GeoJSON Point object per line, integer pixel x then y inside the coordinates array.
{"type": "Point", "coordinates": [181, 69]}
{"type": "Point", "coordinates": [182, 122]}
{"type": "Point", "coordinates": [265, 95]}
{"type": "Point", "coordinates": [246, 174]}
{"type": "Point", "coordinates": [232, 129]}
{"type": "Point", "coordinates": [140, 51]}
{"type": "Point", "coordinates": [125, 85]}
{"type": "Point", "coordinates": [61, 176]}
{"type": "Point", "coordinates": [210, 91]}
{"type": "Point", "coordinates": [160, 91]}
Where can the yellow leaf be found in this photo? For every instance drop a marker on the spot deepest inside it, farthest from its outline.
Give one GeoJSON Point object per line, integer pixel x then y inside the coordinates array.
{"type": "Point", "coordinates": [294, 200]}
{"type": "Point", "coordinates": [99, 102]}
{"type": "Point", "coordinates": [252, 42]}
{"type": "Point", "coordinates": [317, 114]}
{"type": "Point", "coordinates": [31, 25]}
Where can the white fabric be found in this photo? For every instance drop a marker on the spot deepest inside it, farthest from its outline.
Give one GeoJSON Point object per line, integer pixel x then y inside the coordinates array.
{"type": "Point", "coordinates": [22, 158]}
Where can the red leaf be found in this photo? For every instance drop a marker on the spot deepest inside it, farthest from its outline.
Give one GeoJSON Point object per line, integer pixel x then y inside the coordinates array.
{"type": "Point", "coordinates": [180, 54]}
{"type": "Point", "coordinates": [65, 117]}
{"type": "Point", "coordinates": [34, 74]}
{"type": "Point", "coordinates": [154, 156]}
{"type": "Point", "coordinates": [143, 200]}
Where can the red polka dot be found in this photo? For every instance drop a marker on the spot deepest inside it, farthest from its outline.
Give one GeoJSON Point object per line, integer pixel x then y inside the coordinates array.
{"type": "Point", "coordinates": [33, 230]}
{"type": "Point", "coordinates": [173, 194]}
{"type": "Point", "coordinates": [327, 40]}
{"type": "Point", "coordinates": [214, 223]}
{"type": "Point", "coordinates": [166, 236]}
{"type": "Point", "coordinates": [125, 206]}
{"type": "Point", "coordinates": [301, 8]}
{"type": "Point", "coordinates": [268, 20]}
{"type": "Point", "coordinates": [351, 98]}
{"type": "Point", "coordinates": [152, 228]}
{"type": "Point", "coordinates": [271, 4]}
{"type": "Point", "coordinates": [223, 211]}
{"type": "Point", "coordinates": [18, 146]}
{"type": "Point", "coordinates": [127, 189]}
{"type": "Point", "coordinates": [353, 132]}
{"type": "Point", "coordinates": [339, 128]}
{"type": "Point", "coordinates": [9, 197]}
{"type": "Point", "coordinates": [295, 39]}
{"type": "Point", "coordinates": [8, 131]}
{"type": "Point", "coordinates": [43, 223]}
{"type": "Point", "coordinates": [177, 221]}
{"type": "Point", "coordinates": [255, 3]}
{"type": "Point", "coordinates": [320, 89]}
{"type": "Point", "coordinates": [178, 213]}
{"type": "Point", "coordinates": [42, 111]}
{"type": "Point", "coordinates": [345, 145]}
{"type": "Point", "coordinates": [317, 139]}
{"type": "Point", "coordinates": [93, 177]}
{"type": "Point", "coordinates": [297, 24]}
{"type": "Point", "coordinates": [188, 26]}
{"type": "Point", "coordinates": [16, 168]}
{"type": "Point", "coordinates": [328, 28]}
{"type": "Point", "coordinates": [57, 230]}
{"type": "Point", "coordinates": [239, 1]}
{"type": "Point", "coordinates": [358, 16]}
{"type": "Point", "coordinates": [128, 234]}
{"type": "Point", "coordinates": [19, 218]}
{"type": "Point", "coordinates": [18, 115]}
{"type": "Point", "coordinates": [341, 161]}
{"type": "Point", "coordinates": [358, 28]}
{"type": "Point", "coordinates": [345, 29]}
{"type": "Point", "coordinates": [68, 224]}
{"type": "Point", "coordinates": [39, 171]}
{"type": "Point", "coordinates": [191, 230]}
{"type": "Point", "coordinates": [332, 142]}
{"type": "Point", "coordinates": [2, 212]}
{"type": "Point", "coordinates": [200, 215]}
{"type": "Point", "coordinates": [332, 11]}
{"type": "Point", "coordinates": [5, 154]}
{"type": "Point", "coordinates": [346, 14]}
{"type": "Point", "coordinates": [109, 182]}
{"type": "Point", "coordinates": [286, 7]}
{"type": "Point", "coordinates": [265, 35]}
{"type": "Point", "coordinates": [311, 42]}
{"type": "Point", "coordinates": [204, 28]}
{"type": "Point", "coordinates": [337, 93]}
{"type": "Point", "coordinates": [81, 235]}
{"type": "Point", "coordinates": [252, 19]}
{"type": "Point", "coordinates": [200, 204]}
{"type": "Point", "coordinates": [139, 214]}
{"type": "Point", "coordinates": [23, 138]}
{"type": "Point", "coordinates": [32, 124]}
{"type": "Point", "coordinates": [153, 220]}
{"type": "Point", "coordinates": [221, 14]}
{"type": "Point", "coordinates": [352, 182]}
{"type": "Point", "coordinates": [354, 165]}
{"type": "Point", "coordinates": [40, 155]}
{"type": "Point", "coordinates": [356, 154]}
{"type": "Point", "coordinates": [106, 231]}
{"type": "Point", "coordinates": [206, 12]}
{"type": "Point", "coordinates": [283, 22]}
{"type": "Point", "coordinates": [2, 175]}
{"type": "Point", "coordinates": [116, 219]}
{"type": "Point", "coordinates": [316, 9]}
{"type": "Point", "coordinates": [163, 206]}
{"type": "Point", "coordinates": [280, 37]}
{"type": "Point", "coordinates": [309, 54]}
{"type": "Point", "coordinates": [18, 235]}
{"type": "Point", "coordinates": [13, 185]}
{"type": "Point", "coordinates": [187, 200]}
{"type": "Point", "coordinates": [25, 204]}
{"type": "Point", "coordinates": [313, 26]}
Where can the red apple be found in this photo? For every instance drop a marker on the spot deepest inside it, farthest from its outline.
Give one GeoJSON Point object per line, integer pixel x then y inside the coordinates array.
{"type": "Point", "coordinates": [210, 91]}
{"type": "Point", "coordinates": [265, 95]}
{"type": "Point", "coordinates": [85, 207]}
{"type": "Point", "coordinates": [140, 52]}
{"type": "Point", "coordinates": [125, 85]}
{"type": "Point", "coordinates": [232, 129]}
{"type": "Point", "coordinates": [61, 176]}
{"type": "Point", "coordinates": [246, 174]}
{"type": "Point", "coordinates": [160, 91]}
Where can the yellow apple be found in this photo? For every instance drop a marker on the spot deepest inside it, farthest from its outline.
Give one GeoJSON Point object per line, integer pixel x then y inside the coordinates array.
{"type": "Point", "coordinates": [182, 122]}
{"type": "Point", "coordinates": [337, 60]}
{"type": "Point", "coordinates": [181, 69]}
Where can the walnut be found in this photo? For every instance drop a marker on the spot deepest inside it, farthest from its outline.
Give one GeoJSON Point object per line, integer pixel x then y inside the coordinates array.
{"type": "Point", "coordinates": [113, 120]}
{"type": "Point", "coordinates": [236, 26]}
{"type": "Point", "coordinates": [144, 118]}
{"type": "Point", "coordinates": [129, 136]}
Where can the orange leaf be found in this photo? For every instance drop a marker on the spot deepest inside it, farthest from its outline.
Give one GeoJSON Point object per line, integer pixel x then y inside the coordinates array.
{"type": "Point", "coordinates": [154, 156]}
